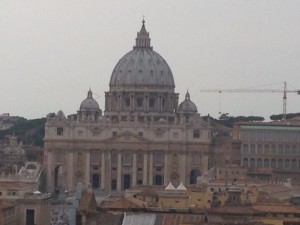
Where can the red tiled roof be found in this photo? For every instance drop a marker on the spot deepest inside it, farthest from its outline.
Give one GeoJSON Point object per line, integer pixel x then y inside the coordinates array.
{"type": "Point", "coordinates": [235, 209]}
{"type": "Point", "coordinates": [87, 202]}
{"type": "Point", "coordinates": [123, 203]}
{"type": "Point", "coordinates": [277, 208]}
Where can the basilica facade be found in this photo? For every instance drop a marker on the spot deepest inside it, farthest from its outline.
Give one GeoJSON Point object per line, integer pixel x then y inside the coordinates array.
{"type": "Point", "coordinates": [143, 137]}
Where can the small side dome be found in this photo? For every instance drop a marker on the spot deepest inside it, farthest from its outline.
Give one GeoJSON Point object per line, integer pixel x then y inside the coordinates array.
{"type": "Point", "coordinates": [187, 106]}
{"type": "Point", "coordinates": [89, 104]}
{"type": "Point", "coordinates": [60, 114]}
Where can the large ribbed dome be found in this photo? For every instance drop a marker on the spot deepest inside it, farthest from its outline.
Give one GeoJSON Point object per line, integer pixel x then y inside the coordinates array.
{"type": "Point", "coordinates": [142, 67]}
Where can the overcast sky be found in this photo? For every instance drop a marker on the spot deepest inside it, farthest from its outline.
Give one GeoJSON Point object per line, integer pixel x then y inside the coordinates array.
{"type": "Point", "coordinates": [53, 51]}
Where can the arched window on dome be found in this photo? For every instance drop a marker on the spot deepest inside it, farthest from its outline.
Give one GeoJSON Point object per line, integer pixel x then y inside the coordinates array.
{"type": "Point", "coordinates": [151, 103]}
{"type": "Point", "coordinates": [139, 103]}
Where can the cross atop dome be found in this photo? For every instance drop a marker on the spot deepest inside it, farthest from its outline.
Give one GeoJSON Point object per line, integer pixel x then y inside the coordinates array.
{"type": "Point", "coordinates": [142, 40]}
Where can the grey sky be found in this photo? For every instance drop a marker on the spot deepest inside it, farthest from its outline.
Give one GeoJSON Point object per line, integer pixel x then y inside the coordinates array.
{"type": "Point", "coordinates": [53, 51]}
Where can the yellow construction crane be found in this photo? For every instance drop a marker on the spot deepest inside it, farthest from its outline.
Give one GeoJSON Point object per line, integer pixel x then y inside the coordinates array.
{"type": "Point", "coordinates": [252, 90]}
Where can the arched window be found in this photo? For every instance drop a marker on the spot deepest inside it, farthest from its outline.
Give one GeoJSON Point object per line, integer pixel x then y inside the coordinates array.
{"type": "Point", "coordinates": [280, 149]}
{"type": "Point", "coordinates": [114, 157]}
{"type": "Point", "coordinates": [287, 164]}
{"type": "Point", "coordinates": [259, 149]}
{"type": "Point", "coordinates": [252, 149]}
{"type": "Point", "coordinates": [273, 163]}
{"type": "Point", "coordinates": [259, 163]}
{"type": "Point", "coordinates": [195, 160]}
{"type": "Point", "coordinates": [252, 163]}
{"type": "Point", "coordinates": [95, 156]}
{"type": "Point", "coordinates": [280, 163]}
{"type": "Point", "coordinates": [127, 158]}
{"type": "Point", "coordinates": [294, 164]}
{"type": "Point", "coordinates": [245, 162]}
{"type": "Point", "coordinates": [245, 149]}
{"type": "Point", "coordinates": [158, 158]}
{"type": "Point", "coordinates": [287, 150]}
{"type": "Point", "coordinates": [294, 149]}
{"type": "Point", "coordinates": [266, 163]}
{"type": "Point", "coordinates": [267, 149]}
{"type": "Point", "coordinates": [273, 149]}
{"type": "Point", "coordinates": [140, 158]}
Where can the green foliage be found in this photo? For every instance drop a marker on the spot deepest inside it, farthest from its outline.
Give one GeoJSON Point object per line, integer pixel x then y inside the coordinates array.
{"type": "Point", "coordinates": [228, 121]}
{"type": "Point", "coordinates": [30, 132]}
{"type": "Point", "coordinates": [288, 116]}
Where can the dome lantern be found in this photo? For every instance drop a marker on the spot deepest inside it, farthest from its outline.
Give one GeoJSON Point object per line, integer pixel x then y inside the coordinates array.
{"type": "Point", "coordinates": [142, 40]}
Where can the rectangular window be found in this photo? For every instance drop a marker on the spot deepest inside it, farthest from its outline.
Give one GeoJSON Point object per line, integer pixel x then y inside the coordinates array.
{"type": "Point", "coordinates": [141, 134]}
{"type": "Point", "coordinates": [175, 135]}
{"type": "Point", "coordinates": [60, 131]}
{"type": "Point", "coordinates": [30, 217]}
{"type": "Point", "coordinates": [95, 157]}
{"type": "Point", "coordinates": [80, 132]}
{"type": "Point", "coordinates": [151, 102]}
{"type": "Point", "coordinates": [139, 102]}
{"type": "Point", "coordinates": [196, 134]}
{"type": "Point", "coordinates": [127, 102]}
{"type": "Point", "coordinates": [96, 133]}
{"type": "Point", "coordinates": [127, 158]}
{"type": "Point", "coordinates": [114, 134]}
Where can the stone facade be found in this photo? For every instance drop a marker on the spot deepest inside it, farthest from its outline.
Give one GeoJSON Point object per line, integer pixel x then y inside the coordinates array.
{"type": "Point", "coordinates": [143, 138]}
{"type": "Point", "coordinates": [270, 150]}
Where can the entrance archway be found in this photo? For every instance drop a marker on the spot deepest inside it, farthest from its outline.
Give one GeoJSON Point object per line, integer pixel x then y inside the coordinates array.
{"type": "Point", "coordinates": [158, 180]}
{"type": "Point", "coordinates": [193, 176]}
{"type": "Point", "coordinates": [126, 181]}
{"type": "Point", "coordinates": [95, 180]}
{"type": "Point", "coordinates": [58, 177]}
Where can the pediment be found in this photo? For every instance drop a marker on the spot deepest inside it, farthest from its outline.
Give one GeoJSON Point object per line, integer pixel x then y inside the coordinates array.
{"type": "Point", "coordinates": [127, 137]}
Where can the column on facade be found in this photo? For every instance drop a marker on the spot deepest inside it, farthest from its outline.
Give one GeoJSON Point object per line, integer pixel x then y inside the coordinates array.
{"type": "Point", "coordinates": [159, 102]}
{"type": "Point", "coordinates": [182, 170]}
{"type": "Point", "coordinates": [145, 170]}
{"type": "Point", "coordinates": [119, 102]}
{"type": "Point", "coordinates": [166, 170]}
{"type": "Point", "coordinates": [204, 163]}
{"type": "Point", "coordinates": [70, 172]}
{"type": "Point", "coordinates": [87, 168]}
{"type": "Point", "coordinates": [106, 102]}
{"type": "Point", "coordinates": [50, 171]}
{"type": "Point", "coordinates": [134, 170]}
{"type": "Point", "coordinates": [146, 102]}
{"type": "Point", "coordinates": [119, 174]}
{"type": "Point", "coordinates": [103, 175]}
{"type": "Point", "coordinates": [151, 169]}
{"type": "Point", "coordinates": [132, 102]}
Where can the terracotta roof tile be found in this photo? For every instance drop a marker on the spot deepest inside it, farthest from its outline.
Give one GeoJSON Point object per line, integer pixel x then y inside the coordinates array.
{"type": "Point", "coordinates": [277, 208]}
